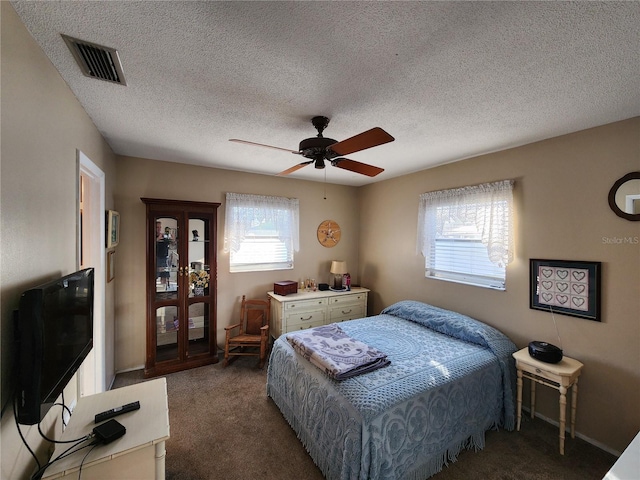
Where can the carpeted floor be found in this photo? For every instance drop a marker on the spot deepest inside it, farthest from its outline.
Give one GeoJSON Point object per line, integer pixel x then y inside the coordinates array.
{"type": "Point", "coordinates": [223, 426]}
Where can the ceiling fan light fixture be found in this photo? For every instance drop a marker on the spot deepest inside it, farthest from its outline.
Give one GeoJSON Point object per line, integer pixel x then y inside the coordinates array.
{"type": "Point", "coordinates": [318, 149]}
{"type": "Point", "coordinates": [314, 146]}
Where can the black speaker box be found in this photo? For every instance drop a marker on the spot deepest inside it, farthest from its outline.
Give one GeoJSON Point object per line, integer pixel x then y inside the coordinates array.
{"type": "Point", "coordinates": [545, 352]}
{"type": "Point", "coordinates": [109, 431]}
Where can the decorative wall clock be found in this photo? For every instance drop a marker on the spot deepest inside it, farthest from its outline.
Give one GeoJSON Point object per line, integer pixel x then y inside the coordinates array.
{"type": "Point", "coordinates": [329, 233]}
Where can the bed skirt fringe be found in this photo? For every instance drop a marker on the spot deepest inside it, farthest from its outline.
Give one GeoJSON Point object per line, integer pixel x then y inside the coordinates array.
{"type": "Point", "coordinates": [315, 453]}
{"type": "Point", "coordinates": [435, 464]}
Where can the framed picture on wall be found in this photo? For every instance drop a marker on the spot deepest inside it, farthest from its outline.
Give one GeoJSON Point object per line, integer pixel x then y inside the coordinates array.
{"type": "Point", "coordinates": [113, 228]}
{"type": "Point", "coordinates": [566, 287]}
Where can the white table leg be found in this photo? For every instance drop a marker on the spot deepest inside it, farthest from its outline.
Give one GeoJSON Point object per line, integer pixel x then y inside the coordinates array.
{"type": "Point", "coordinates": [563, 416]}
{"type": "Point", "coordinates": [160, 455]}
{"type": "Point", "coordinates": [533, 397]}
{"type": "Point", "coordinates": [574, 404]}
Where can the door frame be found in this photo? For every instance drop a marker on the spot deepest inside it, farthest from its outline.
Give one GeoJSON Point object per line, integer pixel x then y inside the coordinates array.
{"type": "Point", "coordinates": [92, 373]}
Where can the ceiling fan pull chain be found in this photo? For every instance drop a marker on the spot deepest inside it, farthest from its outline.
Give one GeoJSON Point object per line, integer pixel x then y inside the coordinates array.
{"type": "Point", "coordinates": [325, 183]}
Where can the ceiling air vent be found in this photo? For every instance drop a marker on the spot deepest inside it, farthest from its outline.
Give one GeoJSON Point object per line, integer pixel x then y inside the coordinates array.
{"type": "Point", "coordinates": [96, 61]}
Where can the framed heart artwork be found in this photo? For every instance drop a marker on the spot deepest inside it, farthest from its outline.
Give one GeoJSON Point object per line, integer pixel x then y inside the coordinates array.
{"type": "Point", "coordinates": [566, 287]}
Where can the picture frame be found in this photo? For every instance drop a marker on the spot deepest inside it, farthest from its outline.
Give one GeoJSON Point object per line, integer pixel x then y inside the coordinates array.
{"type": "Point", "coordinates": [111, 265]}
{"type": "Point", "coordinates": [566, 287]}
{"type": "Point", "coordinates": [113, 228]}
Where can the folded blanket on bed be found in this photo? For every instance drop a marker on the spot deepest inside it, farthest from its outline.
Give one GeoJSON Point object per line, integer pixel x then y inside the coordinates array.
{"type": "Point", "coordinates": [334, 352]}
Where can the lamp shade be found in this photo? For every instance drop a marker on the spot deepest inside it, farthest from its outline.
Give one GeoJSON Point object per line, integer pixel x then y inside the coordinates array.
{"type": "Point", "coordinates": [338, 267]}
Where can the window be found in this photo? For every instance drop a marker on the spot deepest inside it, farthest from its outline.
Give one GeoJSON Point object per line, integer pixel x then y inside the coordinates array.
{"type": "Point", "coordinates": [261, 233]}
{"type": "Point", "coordinates": [466, 234]}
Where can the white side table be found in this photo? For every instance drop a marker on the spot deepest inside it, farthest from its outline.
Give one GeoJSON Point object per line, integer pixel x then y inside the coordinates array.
{"type": "Point", "coordinates": [561, 376]}
{"type": "Point", "coordinates": [140, 453]}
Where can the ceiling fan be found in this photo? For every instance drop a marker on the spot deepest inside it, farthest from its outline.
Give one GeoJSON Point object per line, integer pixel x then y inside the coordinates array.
{"type": "Point", "coordinates": [318, 149]}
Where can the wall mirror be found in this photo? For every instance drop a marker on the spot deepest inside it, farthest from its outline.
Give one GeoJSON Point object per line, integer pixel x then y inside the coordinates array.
{"type": "Point", "coordinates": [624, 197]}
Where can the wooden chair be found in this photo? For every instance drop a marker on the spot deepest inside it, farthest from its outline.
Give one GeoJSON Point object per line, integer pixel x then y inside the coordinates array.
{"type": "Point", "coordinates": [251, 335]}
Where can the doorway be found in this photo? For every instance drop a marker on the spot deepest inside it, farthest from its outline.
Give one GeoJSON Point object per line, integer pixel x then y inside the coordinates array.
{"type": "Point", "coordinates": [91, 253]}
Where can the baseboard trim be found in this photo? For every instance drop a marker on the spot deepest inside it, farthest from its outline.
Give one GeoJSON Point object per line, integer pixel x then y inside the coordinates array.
{"type": "Point", "coordinates": [132, 369]}
{"type": "Point", "coordinates": [593, 442]}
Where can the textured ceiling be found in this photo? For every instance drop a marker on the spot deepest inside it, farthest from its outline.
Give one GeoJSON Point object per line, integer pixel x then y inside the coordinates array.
{"type": "Point", "coordinates": [449, 80]}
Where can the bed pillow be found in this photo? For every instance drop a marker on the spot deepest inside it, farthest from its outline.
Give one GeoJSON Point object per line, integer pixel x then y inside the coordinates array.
{"type": "Point", "coordinates": [444, 321]}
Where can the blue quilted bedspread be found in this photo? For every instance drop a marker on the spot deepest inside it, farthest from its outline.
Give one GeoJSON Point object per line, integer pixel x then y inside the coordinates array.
{"type": "Point", "coordinates": [451, 378]}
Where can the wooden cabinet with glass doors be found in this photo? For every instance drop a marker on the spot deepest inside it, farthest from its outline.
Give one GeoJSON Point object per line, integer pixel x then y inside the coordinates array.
{"type": "Point", "coordinates": [181, 285]}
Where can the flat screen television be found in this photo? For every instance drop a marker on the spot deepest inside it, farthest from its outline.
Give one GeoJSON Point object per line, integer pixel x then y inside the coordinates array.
{"type": "Point", "coordinates": [54, 325]}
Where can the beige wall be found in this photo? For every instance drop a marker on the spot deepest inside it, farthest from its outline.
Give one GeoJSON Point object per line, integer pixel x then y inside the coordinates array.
{"type": "Point", "coordinates": [42, 127]}
{"type": "Point", "coordinates": [561, 193]}
{"type": "Point", "coordinates": [147, 178]}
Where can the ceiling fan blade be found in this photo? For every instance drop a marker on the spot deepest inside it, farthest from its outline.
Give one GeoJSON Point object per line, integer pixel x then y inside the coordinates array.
{"type": "Point", "coordinates": [263, 145]}
{"type": "Point", "coordinates": [371, 138]}
{"type": "Point", "coordinates": [294, 168]}
{"type": "Point", "coordinates": [357, 167]}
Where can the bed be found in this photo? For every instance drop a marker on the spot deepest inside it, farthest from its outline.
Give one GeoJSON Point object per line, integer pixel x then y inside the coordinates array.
{"type": "Point", "coordinates": [450, 379]}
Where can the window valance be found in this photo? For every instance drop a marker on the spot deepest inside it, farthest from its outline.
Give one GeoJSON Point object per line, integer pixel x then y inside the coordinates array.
{"type": "Point", "coordinates": [489, 207]}
{"type": "Point", "coordinates": [261, 232]}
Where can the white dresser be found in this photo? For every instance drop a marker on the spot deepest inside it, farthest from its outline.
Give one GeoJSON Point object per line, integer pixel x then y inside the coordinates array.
{"type": "Point", "coordinates": [301, 310]}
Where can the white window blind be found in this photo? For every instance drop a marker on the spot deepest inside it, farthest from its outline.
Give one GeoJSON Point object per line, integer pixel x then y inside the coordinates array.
{"type": "Point", "coordinates": [261, 232]}
{"type": "Point", "coordinates": [466, 234]}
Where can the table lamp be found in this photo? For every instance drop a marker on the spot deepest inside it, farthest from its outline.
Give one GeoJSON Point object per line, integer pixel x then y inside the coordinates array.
{"type": "Point", "coordinates": [338, 268]}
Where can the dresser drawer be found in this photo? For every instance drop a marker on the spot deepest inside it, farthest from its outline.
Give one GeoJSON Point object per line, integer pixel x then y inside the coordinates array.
{"type": "Point", "coordinates": [304, 304]}
{"type": "Point", "coordinates": [540, 372]}
{"type": "Point", "coordinates": [305, 317]}
{"type": "Point", "coordinates": [294, 327]}
{"type": "Point", "coordinates": [347, 299]}
{"type": "Point", "coordinates": [346, 312]}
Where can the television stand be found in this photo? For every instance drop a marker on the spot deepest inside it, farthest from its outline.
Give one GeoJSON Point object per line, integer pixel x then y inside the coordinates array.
{"type": "Point", "coordinates": [140, 453]}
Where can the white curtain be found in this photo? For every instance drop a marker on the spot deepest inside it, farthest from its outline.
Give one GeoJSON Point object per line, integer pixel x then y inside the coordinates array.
{"type": "Point", "coordinates": [488, 206]}
{"type": "Point", "coordinates": [244, 212]}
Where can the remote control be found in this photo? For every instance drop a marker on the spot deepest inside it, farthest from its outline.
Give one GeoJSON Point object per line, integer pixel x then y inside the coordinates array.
{"type": "Point", "coordinates": [129, 407]}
